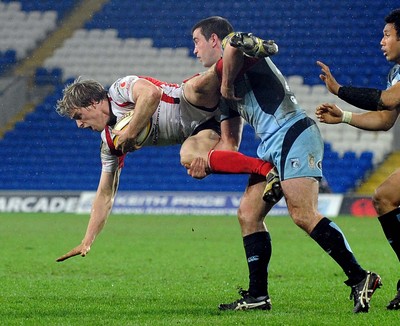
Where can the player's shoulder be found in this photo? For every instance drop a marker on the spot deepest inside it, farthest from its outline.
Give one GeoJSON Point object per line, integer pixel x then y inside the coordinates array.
{"type": "Point", "coordinates": [124, 82]}
{"type": "Point", "coordinates": [121, 88]}
{"type": "Point", "coordinates": [394, 73]}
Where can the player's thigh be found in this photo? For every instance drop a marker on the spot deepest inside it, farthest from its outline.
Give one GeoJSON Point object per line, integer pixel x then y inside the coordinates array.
{"type": "Point", "coordinates": [387, 195]}
{"type": "Point", "coordinates": [198, 145]}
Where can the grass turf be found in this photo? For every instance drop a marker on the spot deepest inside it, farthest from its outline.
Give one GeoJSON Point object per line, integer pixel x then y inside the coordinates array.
{"type": "Point", "coordinates": [175, 270]}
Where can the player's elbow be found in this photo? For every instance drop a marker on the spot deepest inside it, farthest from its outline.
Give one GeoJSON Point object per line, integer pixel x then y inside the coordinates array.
{"type": "Point", "coordinates": [387, 125]}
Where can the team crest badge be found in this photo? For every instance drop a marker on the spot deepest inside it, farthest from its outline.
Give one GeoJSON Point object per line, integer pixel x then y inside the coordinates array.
{"type": "Point", "coordinates": [311, 161]}
{"type": "Point", "coordinates": [295, 162]}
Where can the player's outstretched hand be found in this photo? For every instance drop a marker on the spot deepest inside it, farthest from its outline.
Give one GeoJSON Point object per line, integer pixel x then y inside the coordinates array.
{"type": "Point", "coordinates": [330, 82]}
{"type": "Point", "coordinates": [198, 169]}
{"type": "Point", "coordinates": [79, 250]}
{"type": "Point", "coordinates": [329, 113]}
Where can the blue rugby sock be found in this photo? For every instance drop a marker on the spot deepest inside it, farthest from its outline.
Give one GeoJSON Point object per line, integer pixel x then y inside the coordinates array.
{"type": "Point", "coordinates": [258, 253]}
{"type": "Point", "coordinates": [390, 223]}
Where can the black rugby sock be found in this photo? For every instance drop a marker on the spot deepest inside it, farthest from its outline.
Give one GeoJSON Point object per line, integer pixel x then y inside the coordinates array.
{"type": "Point", "coordinates": [258, 253]}
{"type": "Point", "coordinates": [391, 227]}
{"type": "Point", "coordinates": [328, 235]}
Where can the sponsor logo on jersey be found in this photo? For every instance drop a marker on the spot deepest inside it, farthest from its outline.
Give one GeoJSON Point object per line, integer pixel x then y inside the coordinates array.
{"type": "Point", "coordinates": [295, 162]}
{"type": "Point", "coordinates": [311, 161]}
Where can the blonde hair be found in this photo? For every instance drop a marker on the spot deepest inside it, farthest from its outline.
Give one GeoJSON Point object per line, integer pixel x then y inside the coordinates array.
{"type": "Point", "coordinates": [80, 94]}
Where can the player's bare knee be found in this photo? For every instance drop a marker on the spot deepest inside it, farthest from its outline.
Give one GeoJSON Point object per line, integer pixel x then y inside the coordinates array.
{"type": "Point", "coordinates": [300, 222]}
{"type": "Point", "coordinates": [249, 222]}
{"type": "Point", "coordinates": [186, 159]}
{"type": "Point", "coordinates": [381, 203]}
{"type": "Point", "coordinates": [305, 221]}
{"type": "Point", "coordinates": [186, 153]}
{"type": "Point", "coordinates": [376, 201]}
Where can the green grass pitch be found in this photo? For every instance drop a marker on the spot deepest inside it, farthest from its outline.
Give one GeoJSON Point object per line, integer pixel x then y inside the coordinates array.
{"type": "Point", "coordinates": [175, 270]}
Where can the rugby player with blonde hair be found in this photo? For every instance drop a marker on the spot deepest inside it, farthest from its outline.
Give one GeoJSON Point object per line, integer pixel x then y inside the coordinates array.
{"type": "Point", "coordinates": [184, 114]}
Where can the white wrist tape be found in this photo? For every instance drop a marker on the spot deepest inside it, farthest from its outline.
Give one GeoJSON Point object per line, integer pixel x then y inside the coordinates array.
{"type": "Point", "coordinates": [346, 117]}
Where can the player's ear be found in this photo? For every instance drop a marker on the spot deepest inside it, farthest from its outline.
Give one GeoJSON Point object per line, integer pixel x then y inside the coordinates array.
{"type": "Point", "coordinates": [214, 39]}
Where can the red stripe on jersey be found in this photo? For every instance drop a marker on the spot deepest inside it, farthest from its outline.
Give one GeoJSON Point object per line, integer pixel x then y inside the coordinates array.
{"type": "Point", "coordinates": [112, 148]}
{"type": "Point", "coordinates": [122, 105]}
{"type": "Point", "coordinates": [169, 99]}
{"type": "Point", "coordinates": [165, 98]}
{"type": "Point", "coordinates": [191, 78]}
{"type": "Point", "coordinates": [157, 82]}
{"type": "Point", "coordinates": [121, 160]}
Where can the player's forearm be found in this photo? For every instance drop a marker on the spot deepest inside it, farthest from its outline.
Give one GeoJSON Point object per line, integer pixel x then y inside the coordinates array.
{"type": "Point", "coordinates": [233, 62]}
{"type": "Point", "coordinates": [373, 121]}
{"type": "Point", "coordinates": [101, 209]}
{"type": "Point", "coordinates": [102, 205]}
{"type": "Point", "coordinates": [231, 134]}
{"type": "Point", "coordinates": [144, 110]}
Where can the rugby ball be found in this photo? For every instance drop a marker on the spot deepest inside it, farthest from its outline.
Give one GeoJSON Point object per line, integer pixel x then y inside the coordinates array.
{"type": "Point", "coordinates": [123, 122]}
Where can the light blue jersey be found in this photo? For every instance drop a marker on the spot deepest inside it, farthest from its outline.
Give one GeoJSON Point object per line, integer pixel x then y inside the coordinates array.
{"type": "Point", "coordinates": [288, 137]}
{"type": "Point", "coordinates": [394, 76]}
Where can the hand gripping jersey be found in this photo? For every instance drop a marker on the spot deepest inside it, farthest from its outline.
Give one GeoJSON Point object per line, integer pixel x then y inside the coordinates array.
{"type": "Point", "coordinates": [174, 120]}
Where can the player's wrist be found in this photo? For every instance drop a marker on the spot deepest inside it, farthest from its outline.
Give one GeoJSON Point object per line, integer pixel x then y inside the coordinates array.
{"type": "Point", "coordinates": [335, 89]}
{"type": "Point", "coordinates": [346, 116]}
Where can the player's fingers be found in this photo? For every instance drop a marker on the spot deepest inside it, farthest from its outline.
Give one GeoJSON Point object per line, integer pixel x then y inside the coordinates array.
{"type": "Point", "coordinates": [66, 256]}
{"type": "Point", "coordinates": [322, 65]}
{"type": "Point", "coordinates": [72, 253]}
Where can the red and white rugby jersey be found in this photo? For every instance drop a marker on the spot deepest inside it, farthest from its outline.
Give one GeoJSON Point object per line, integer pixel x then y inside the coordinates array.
{"type": "Point", "coordinates": [174, 120]}
{"type": "Point", "coordinates": [166, 127]}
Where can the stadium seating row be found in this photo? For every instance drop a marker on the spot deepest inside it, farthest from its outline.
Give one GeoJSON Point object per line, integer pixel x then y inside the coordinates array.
{"type": "Point", "coordinates": [22, 31]}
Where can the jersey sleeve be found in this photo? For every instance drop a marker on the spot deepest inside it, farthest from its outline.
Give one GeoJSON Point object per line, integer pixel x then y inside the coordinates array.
{"type": "Point", "coordinates": [109, 162]}
{"type": "Point", "coordinates": [393, 76]}
{"type": "Point", "coordinates": [121, 90]}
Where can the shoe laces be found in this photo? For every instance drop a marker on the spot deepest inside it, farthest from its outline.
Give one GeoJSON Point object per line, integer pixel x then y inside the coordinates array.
{"type": "Point", "coordinates": [361, 296]}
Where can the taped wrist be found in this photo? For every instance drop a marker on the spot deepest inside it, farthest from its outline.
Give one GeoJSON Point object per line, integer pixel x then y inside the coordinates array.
{"type": "Point", "coordinates": [363, 98]}
{"type": "Point", "coordinates": [346, 117]}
